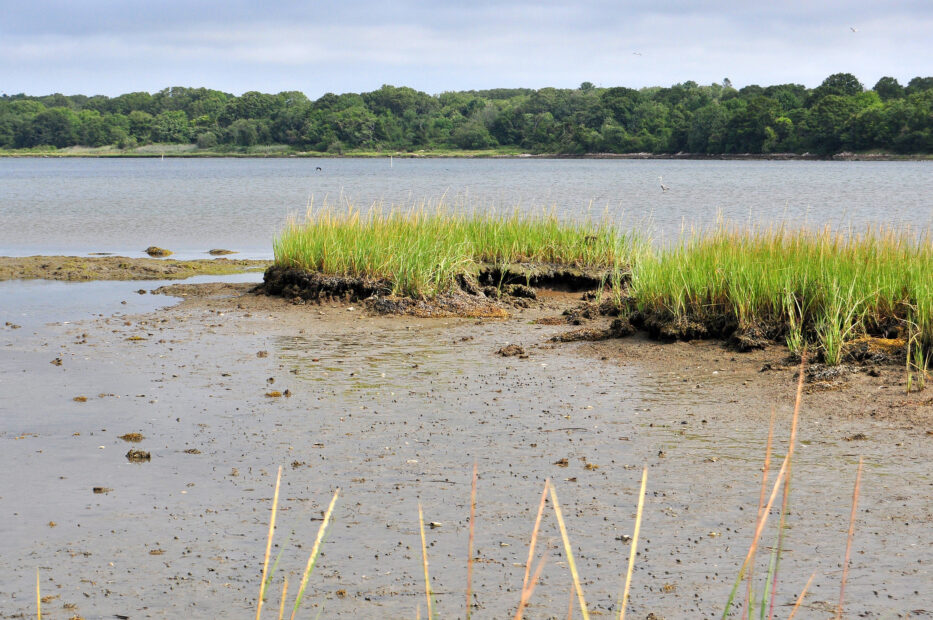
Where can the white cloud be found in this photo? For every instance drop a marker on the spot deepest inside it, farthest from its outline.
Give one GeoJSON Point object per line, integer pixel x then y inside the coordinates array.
{"type": "Point", "coordinates": [451, 46]}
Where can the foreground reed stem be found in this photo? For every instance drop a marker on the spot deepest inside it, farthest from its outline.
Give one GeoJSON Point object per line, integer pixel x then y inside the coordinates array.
{"type": "Point", "coordinates": [634, 551]}
{"type": "Point", "coordinates": [469, 584]}
{"type": "Point", "coordinates": [312, 558]}
{"type": "Point", "coordinates": [569, 551]}
{"type": "Point", "coordinates": [845, 565]}
{"type": "Point", "coordinates": [265, 562]}
{"type": "Point", "coordinates": [424, 556]}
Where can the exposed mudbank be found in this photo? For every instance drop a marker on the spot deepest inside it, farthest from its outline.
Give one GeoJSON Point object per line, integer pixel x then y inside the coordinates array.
{"type": "Point", "coordinates": [493, 290]}
{"type": "Point", "coordinates": [81, 268]}
{"type": "Point", "coordinates": [218, 391]}
{"type": "Point", "coordinates": [487, 293]}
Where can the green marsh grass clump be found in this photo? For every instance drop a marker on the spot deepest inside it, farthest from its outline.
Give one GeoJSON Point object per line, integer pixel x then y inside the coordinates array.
{"type": "Point", "coordinates": [821, 287]}
{"type": "Point", "coordinates": [824, 287]}
{"type": "Point", "coordinates": [422, 250]}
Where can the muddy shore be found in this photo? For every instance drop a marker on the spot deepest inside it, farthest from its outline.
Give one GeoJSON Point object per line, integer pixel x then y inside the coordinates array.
{"type": "Point", "coordinates": [85, 268]}
{"type": "Point", "coordinates": [394, 410]}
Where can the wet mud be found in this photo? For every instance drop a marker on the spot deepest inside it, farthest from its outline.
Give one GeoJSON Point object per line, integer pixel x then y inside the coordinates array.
{"type": "Point", "coordinates": [86, 268]}
{"type": "Point", "coordinates": [394, 410]}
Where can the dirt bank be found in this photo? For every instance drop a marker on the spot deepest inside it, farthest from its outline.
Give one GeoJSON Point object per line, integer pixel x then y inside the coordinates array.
{"type": "Point", "coordinates": [394, 410]}
{"type": "Point", "coordinates": [81, 268]}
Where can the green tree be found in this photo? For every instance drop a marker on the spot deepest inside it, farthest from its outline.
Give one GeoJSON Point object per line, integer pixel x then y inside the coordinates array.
{"type": "Point", "coordinates": [171, 127]}
{"type": "Point", "coordinates": [55, 126]}
{"type": "Point", "coordinates": [888, 88]}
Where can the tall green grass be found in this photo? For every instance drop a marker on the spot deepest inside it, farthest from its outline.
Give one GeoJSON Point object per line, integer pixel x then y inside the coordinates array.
{"type": "Point", "coordinates": [822, 287]}
{"type": "Point", "coordinates": [819, 286]}
{"type": "Point", "coordinates": [422, 249]}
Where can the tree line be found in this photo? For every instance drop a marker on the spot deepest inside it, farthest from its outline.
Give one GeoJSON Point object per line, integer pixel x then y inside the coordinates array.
{"type": "Point", "coordinates": [838, 115]}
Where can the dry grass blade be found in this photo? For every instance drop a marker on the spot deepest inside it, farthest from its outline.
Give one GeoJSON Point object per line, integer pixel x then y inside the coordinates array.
{"type": "Point", "coordinates": [845, 565]}
{"type": "Point", "coordinates": [469, 586]}
{"type": "Point", "coordinates": [803, 593]}
{"type": "Point", "coordinates": [569, 550]}
{"type": "Point", "coordinates": [761, 504]}
{"type": "Point", "coordinates": [634, 551]}
{"type": "Point", "coordinates": [265, 562]}
{"type": "Point", "coordinates": [758, 529]}
{"type": "Point", "coordinates": [312, 558]}
{"type": "Point", "coordinates": [282, 604]}
{"type": "Point", "coordinates": [526, 589]}
{"type": "Point", "coordinates": [527, 592]}
{"type": "Point", "coordinates": [424, 556]}
{"type": "Point", "coordinates": [38, 597]}
{"type": "Point", "coordinates": [786, 499]}
{"type": "Point", "coordinates": [570, 605]}
{"type": "Point", "coordinates": [534, 533]}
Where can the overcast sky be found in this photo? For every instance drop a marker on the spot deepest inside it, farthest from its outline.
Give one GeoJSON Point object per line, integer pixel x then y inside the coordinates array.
{"type": "Point", "coordinates": [116, 46]}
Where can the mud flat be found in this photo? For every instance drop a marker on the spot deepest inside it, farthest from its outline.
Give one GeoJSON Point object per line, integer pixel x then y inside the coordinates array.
{"type": "Point", "coordinates": [393, 410]}
{"type": "Point", "coordinates": [84, 268]}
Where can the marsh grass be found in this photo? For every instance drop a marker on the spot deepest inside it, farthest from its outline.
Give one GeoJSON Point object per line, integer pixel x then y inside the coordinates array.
{"type": "Point", "coordinates": [422, 249]}
{"type": "Point", "coordinates": [821, 287]}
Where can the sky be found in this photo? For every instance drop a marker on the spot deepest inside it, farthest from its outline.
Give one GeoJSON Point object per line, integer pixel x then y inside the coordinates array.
{"type": "Point", "coordinates": [112, 47]}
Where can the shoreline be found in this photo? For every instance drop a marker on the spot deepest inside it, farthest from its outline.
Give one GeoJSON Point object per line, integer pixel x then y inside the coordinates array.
{"type": "Point", "coordinates": [91, 268]}
{"type": "Point", "coordinates": [195, 154]}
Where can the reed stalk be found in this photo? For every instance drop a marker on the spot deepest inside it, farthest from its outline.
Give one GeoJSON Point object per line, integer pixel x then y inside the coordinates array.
{"type": "Point", "coordinates": [265, 562]}
{"type": "Point", "coordinates": [424, 557]}
{"type": "Point", "coordinates": [803, 593]}
{"type": "Point", "coordinates": [569, 551]}
{"type": "Point", "coordinates": [282, 603]}
{"type": "Point", "coordinates": [851, 535]}
{"type": "Point", "coordinates": [761, 504]}
{"type": "Point", "coordinates": [527, 589]}
{"type": "Point", "coordinates": [758, 529]}
{"type": "Point", "coordinates": [469, 584]}
{"type": "Point", "coordinates": [785, 500]}
{"type": "Point", "coordinates": [634, 550]}
{"type": "Point", "coordinates": [312, 557]}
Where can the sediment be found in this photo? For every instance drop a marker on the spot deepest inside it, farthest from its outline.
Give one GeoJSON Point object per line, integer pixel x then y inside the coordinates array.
{"type": "Point", "coordinates": [86, 268]}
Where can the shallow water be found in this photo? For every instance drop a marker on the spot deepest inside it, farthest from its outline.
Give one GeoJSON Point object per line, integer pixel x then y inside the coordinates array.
{"type": "Point", "coordinates": [31, 303]}
{"type": "Point", "coordinates": [77, 206]}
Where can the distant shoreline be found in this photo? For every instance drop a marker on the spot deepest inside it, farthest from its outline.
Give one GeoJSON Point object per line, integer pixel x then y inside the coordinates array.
{"type": "Point", "coordinates": [174, 152]}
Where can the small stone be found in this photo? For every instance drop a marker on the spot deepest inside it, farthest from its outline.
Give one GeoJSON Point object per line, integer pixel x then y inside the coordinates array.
{"type": "Point", "coordinates": [138, 456]}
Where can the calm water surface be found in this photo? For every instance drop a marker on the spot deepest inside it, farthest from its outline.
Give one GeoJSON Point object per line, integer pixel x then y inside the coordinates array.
{"type": "Point", "coordinates": [77, 206]}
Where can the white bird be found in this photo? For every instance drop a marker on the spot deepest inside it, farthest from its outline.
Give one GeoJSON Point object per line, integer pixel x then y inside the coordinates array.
{"type": "Point", "coordinates": [664, 187]}
{"type": "Point", "coordinates": [637, 53]}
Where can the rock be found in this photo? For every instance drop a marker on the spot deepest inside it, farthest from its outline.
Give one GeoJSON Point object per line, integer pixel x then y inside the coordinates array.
{"type": "Point", "coordinates": [138, 456]}
{"type": "Point", "coordinates": [512, 350]}
{"type": "Point", "coordinates": [153, 250]}
{"type": "Point", "coordinates": [219, 252]}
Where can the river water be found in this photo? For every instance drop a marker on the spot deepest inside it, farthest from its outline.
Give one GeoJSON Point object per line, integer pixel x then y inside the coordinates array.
{"type": "Point", "coordinates": [79, 206]}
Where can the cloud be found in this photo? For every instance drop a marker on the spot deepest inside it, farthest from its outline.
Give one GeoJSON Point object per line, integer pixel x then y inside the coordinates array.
{"type": "Point", "coordinates": [113, 47]}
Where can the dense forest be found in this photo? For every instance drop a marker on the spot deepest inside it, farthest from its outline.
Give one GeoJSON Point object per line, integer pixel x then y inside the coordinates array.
{"type": "Point", "coordinates": [838, 115]}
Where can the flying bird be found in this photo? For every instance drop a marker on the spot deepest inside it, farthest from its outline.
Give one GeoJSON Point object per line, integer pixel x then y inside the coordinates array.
{"type": "Point", "coordinates": [637, 53]}
{"type": "Point", "coordinates": [664, 187]}
{"type": "Point", "coordinates": [853, 28]}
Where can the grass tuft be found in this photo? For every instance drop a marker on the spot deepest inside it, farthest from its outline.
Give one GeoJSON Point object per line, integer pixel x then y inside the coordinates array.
{"type": "Point", "coordinates": [422, 249]}
{"type": "Point", "coordinates": [821, 287]}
